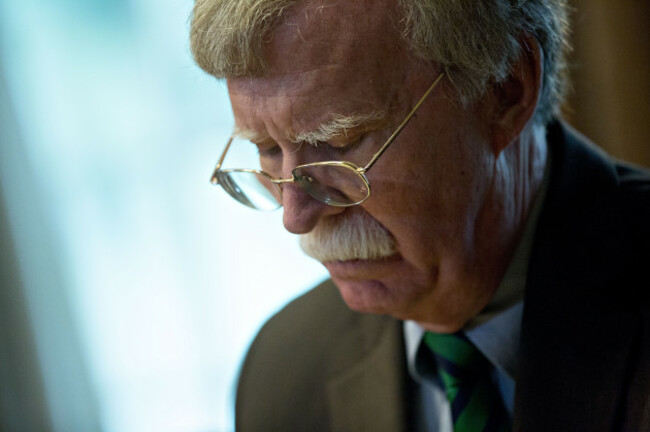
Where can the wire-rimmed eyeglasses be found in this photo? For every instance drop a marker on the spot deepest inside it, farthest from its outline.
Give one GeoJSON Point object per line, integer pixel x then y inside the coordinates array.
{"type": "Point", "coordinates": [335, 183]}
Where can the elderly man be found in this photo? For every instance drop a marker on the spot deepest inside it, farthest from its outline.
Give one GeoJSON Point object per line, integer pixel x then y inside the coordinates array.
{"type": "Point", "coordinates": [489, 266]}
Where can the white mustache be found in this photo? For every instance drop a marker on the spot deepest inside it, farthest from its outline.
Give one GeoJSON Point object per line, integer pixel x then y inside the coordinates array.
{"type": "Point", "coordinates": [355, 236]}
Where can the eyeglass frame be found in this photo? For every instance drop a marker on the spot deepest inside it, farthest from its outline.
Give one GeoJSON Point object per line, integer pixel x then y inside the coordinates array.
{"type": "Point", "coordinates": [360, 171]}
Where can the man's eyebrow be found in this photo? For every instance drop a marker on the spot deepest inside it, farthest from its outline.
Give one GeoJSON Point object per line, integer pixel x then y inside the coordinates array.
{"type": "Point", "coordinates": [249, 135]}
{"type": "Point", "coordinates": [342, 125]}
{"type": "Point", "coordinates": [339, 126]}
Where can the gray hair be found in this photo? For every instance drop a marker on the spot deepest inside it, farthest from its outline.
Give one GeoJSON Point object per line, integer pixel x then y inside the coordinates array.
{"type": "Point", "coordinates": [475, 41]}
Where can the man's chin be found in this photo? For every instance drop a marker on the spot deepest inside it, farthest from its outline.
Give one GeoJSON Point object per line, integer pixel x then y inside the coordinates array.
{"type": "Point", "coordinates": [366, 296]}
{"type": "Point", "coordinates": [368, 286]}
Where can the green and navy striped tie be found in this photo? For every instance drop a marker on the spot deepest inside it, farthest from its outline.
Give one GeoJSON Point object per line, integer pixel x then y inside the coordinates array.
{"type": "Point", "coordinates": [476, 404]}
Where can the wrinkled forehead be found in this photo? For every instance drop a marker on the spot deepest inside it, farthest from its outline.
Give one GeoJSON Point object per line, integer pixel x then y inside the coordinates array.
{"type": "Point", "coordinates": [321, 33]}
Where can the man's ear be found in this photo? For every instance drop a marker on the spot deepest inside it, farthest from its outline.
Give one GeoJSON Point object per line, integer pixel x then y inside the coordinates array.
{"type": "Point", "coordinates": [517, 96]}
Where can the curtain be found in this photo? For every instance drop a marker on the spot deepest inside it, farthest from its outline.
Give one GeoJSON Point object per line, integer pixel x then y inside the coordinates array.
{"type": "Point", "coordinates": [610, 72]}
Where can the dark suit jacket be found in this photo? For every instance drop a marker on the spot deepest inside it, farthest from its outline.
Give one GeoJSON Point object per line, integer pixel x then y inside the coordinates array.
{"type": "Point", "coordinates": [585, 348]}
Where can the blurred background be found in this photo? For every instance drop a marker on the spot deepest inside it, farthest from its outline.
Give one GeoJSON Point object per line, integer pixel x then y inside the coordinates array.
{"type": "Point", "coordinates": [129, 287]}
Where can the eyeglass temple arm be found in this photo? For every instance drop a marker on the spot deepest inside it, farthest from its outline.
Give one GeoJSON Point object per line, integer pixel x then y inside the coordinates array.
{"type": "Point", "coordinates": [401, 126]}
{"type": "Point", "coordinates": [214, 179]}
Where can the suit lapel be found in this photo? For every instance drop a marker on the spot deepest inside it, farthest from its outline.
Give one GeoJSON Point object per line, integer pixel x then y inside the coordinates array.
{"type": "Point", "coordinates": [579, 324]}
{"type": "Point", "coordinates": [371, 393]}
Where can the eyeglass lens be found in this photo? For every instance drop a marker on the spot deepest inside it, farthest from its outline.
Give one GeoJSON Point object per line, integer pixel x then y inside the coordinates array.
{"type": "Point", "coordinates": [332, 184]}
{"type": "Point", "coordinates": [251, 188]}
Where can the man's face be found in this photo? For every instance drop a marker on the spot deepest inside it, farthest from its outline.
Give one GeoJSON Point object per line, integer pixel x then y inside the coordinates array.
{"type": "Point", "coordinates": [431, 192]}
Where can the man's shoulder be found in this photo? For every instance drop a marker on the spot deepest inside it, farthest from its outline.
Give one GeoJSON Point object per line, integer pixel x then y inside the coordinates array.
{"type": "Point", "coordinates": [310, 311]}
{"type": "Point", "coordinates": [317, 331]}
{"type": "Point", "coordinates": [300, 352]}
{"type": "Point", "coordinates": [320, 319]}
{"type": "Point", "coordinates": [586, 321]}
{"type": "Point", "coordinates": [634, 183]}
{"type": "Point", "coordinates": [597, 189]}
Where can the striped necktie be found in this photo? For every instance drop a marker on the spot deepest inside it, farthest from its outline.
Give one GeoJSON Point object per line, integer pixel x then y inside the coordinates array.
{"type": "Point", "coordinates": [476, 404]}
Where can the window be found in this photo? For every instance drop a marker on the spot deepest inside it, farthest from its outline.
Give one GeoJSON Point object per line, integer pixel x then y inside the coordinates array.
{"type": "Point", "coordinates": [118, 132]}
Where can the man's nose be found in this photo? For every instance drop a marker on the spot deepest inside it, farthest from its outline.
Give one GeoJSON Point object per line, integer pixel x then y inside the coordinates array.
{"type": "Point", "coordinates": [301, 211]}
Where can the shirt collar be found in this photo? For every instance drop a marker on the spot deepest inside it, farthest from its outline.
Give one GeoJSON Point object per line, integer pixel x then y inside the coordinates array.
{"type": "Point", "coordinates": [497, 339]}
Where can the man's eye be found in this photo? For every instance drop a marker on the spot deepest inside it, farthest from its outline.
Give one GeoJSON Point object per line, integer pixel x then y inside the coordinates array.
{"type": "Point", "coordinates": [344, 148]}
{"type": "Point", "coordinates": [269, 151]}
